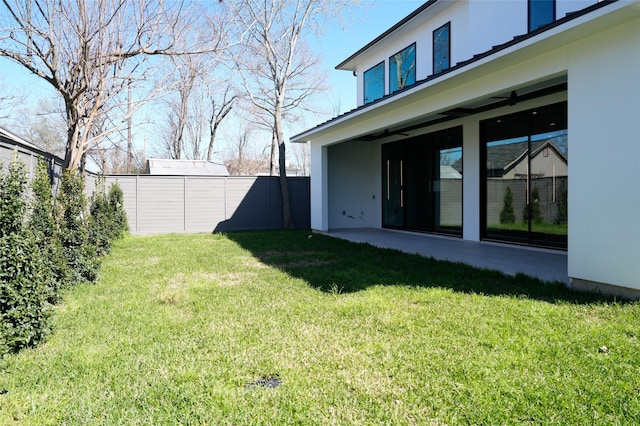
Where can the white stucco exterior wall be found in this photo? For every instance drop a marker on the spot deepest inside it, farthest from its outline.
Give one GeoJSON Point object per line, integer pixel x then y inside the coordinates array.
{"type": "Point", "coordinates": [604, 164]}
{"type": "Point", "coordinates": [471, 180]}
{"type": "Point", "coordinates": [354, 184]}
{"type": "Point", "coordinates": [318, 188]}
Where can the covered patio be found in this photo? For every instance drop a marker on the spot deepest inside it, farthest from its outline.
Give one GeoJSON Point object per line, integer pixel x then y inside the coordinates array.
{"type": "Point", "coordinates": [545, 264]}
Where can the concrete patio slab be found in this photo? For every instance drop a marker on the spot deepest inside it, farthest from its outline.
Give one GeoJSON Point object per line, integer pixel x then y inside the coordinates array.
{"type": "Point", "coordinates": [548, 265]}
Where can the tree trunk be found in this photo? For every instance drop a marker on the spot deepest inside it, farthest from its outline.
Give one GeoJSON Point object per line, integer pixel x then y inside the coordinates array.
{"type": "Point", "coordinates": [287, 220]}
{"type": "Point", "coordinates": [274, 150]}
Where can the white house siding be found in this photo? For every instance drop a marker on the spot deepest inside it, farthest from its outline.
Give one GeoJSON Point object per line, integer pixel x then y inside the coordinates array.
{"type": "Point", "coordinates": [354, 184]}
{"type": "Point", "coordinates": [598, 56]}
{"type": "Point", "coordinates": [476, 26]}
{"type": "Point", "coordinates": [604, 186]}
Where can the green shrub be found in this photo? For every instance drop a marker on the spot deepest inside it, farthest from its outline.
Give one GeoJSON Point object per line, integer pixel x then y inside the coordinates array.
{"type": "Point", "coordinates": [23, 291]}
{"type": "Point", "coordinates": [533, 209]}
{"type": "Point", "coordinates": [42, 224]}
{"type": "Point", "coordinates": [116, 208]}
{"type": "Point", "coordinates": [80, 254]}
{"type": "Point", "coordinates": [562, 217]}
{"type": "Point", "coordinates": [108, 220]}
{"type": "Point", "coordinates": [100, 225]}
{"type": "Point", "coordinates": [507, 214]}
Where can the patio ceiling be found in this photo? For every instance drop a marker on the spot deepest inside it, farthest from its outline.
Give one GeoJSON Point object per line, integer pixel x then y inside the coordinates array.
{"type": "Point", "coordinates": [496, 100]}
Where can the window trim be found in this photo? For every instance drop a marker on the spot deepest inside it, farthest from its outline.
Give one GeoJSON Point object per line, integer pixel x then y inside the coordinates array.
{"type": "Point", "coordinates": [531, 239]}
{"type": "Point", "coordinates": [364, 83]}
{"type": "Point", "coordinates": [415, 62]}
{"type": "Point", "coordinates": [433, 48]}
{"type": "Point", "coordinates": [529, 7]}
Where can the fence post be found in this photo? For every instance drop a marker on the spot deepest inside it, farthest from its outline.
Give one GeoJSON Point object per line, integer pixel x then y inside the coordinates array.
{"type": "Point", "coordinates": [137, 202]}
{"type": "Point", "coordinates": [184, 204]}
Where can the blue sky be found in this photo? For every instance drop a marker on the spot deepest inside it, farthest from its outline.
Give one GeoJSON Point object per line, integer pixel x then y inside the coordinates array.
{"type": "Point", "coordinates": [339, 41]}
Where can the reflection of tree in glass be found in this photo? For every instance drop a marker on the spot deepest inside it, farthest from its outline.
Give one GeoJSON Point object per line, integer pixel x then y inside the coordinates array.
{"type": "Point", "coordinates": [403, 68]}
{"type": "Point", "coordinates": [441, 49]}
{"type": "Point", "coordinates": [532, 211]}
{"type": "Point", "coordinates": [507, 215]}
{"type": "Point", "coordinates": [374, 83]}
{"type": "Point", "coordinates": [449, 156]}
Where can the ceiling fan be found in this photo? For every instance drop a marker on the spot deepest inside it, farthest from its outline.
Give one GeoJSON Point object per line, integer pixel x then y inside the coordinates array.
{"type": "Point", "coordinates": [513, 98]}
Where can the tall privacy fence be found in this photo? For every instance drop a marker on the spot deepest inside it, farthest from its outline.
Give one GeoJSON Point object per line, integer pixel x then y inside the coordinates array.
{"type": "Point", "coordinates": [11, 145]}
{"type": "Point", "coordinates": [189, 204]}
{"type": "Point", "coordinates": [184, 204]}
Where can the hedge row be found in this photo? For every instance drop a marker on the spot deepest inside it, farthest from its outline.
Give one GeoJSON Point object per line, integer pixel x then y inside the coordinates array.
{"type": "Point", "coordinates": [48, 244]}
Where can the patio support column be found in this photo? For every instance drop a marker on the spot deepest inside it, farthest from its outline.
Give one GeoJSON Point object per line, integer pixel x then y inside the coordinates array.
{"type": "Point", "coordinates": [471, 181]}
{"type": "Point", "coordinates": [319, 185]}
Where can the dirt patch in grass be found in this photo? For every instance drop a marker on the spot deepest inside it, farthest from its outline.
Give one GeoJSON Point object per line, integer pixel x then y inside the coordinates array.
{"type": "Point", "coordinates": [295, 259]}
{"type": "Point", "coordinates": [173, 291]}
{"type": "Point", "coordinates": [251, 262]}
{"type": "Point", "coordinates": [227, 279]}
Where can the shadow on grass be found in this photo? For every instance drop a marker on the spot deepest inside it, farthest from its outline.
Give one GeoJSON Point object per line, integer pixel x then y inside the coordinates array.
{"type": "Point", "coordinates": [331, 264]}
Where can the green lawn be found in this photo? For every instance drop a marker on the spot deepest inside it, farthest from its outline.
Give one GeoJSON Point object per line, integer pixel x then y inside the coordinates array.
{"type": "Point", "coordinates": [544, 227]}
{"type": "Point", "coordinates": [178, 327]}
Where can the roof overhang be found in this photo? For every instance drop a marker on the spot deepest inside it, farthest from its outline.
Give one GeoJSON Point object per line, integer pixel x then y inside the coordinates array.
{"type": "Point", "coordinates": [519, 50]}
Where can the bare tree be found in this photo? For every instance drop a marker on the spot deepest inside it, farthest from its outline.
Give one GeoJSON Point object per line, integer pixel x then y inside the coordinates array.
{"type": "Point", "coordinates": [219, 110]}
{"type": "Point", "coordinates": [196, 108]}
{"type": "Point", "coordinates": [278, 71]}
{"type": "Point", "coordinates": [8, 100]}
{"type": "Point", "coordinates": [188, 68]}
{"type": "Point", "coordinates": [302, 154]}
{"type": "Point", "coordinates": [90, 51]}
{"type": "Point", "coordinates": [241, 158]}
{"type": "Point", "coordinates": [43, 125]}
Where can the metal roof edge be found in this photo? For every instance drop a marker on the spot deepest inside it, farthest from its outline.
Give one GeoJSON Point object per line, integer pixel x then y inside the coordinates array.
{"type": "Point", "coordinates": [399, 24]}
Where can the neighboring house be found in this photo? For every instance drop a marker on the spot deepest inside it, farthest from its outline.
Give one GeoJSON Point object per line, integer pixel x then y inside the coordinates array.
{"type": "Point", "coordinates": [542, 97]}
{"type": "Point", "coordinates": [514, 160]}
{"type": "Point", "coordinates": [28, 153]}
{"type": "Point", "coordinates": [161, 166]}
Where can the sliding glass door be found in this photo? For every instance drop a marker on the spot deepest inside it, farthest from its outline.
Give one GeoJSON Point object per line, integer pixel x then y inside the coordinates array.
{"type": "Point", "coordinates": [422, 183]}
{"type": "Point", "coordinates": [526, 176]}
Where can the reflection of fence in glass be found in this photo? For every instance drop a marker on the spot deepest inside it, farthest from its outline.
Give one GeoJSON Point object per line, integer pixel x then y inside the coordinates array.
{"type": "Point", "coordinates": [450, 202]}
{"type": "Point", "coordinates": [552, 198]}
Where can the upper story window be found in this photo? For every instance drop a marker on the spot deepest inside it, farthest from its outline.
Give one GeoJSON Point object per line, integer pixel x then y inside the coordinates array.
{"type": "Point", "coordinates": [442, 48]}
{"type": "Point", "coordinates": [374, 83]}
{"type": "Point", "coordinates": [541, 12]}
{"type": "Point", "coordinates": [402, 69]}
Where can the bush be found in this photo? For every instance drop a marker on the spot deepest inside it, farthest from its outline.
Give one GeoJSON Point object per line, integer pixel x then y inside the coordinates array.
{"type": "Point", "coordinates": [533, 209]}
{"type": "Point", "coordinates": [42, 224]}
{"type": "Point", "coordinates": [116, 208]}
{"type": "Point", "coordinates": [507, 214]}
{"type": "Point", "coordinates": [100, 223]}
{"type": "Point", "coordinates": [23, 291]}
{"type": "Point", "coordinates": [79, 253]}
{"type": "Point", "coordinates": [562, 217]}
{"type": "Point", "coordinates": [108, 220]}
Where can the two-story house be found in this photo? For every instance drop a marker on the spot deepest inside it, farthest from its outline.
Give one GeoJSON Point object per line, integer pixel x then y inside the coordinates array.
{"type": "Point", "coordinates": [470, 108]}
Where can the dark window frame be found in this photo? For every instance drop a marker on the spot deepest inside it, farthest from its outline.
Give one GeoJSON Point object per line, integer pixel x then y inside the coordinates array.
{"type": "Point", "coordinates": [530, 239]}
{"type": "Point", "coordinates": [364, 83]}
{"type": "Point", "coordinates": [415, 61]}
{"type": "Point", "coordinates": [532, 26]}
{"type": "Point", "coordinates": [439, 69]}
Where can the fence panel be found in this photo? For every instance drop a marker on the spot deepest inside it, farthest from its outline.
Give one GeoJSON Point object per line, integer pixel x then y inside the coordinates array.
{"type": "Point", "coordinates": [188, 204]}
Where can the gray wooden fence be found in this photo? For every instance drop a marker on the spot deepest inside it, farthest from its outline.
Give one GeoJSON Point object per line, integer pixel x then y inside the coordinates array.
{"type": "Point", "coordinates": [11, 146]}
{"type": "Point", "coordinates": [190, 204]}
{"type": "Point", "coordinates": [184, 204]}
